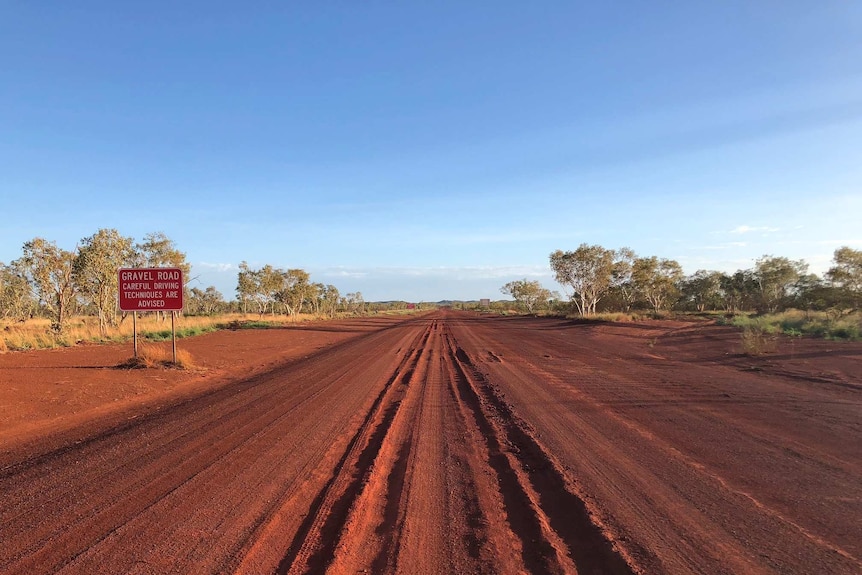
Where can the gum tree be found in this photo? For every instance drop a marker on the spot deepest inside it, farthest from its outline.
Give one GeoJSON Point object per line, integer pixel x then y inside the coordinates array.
{"type": "Point", "coordinates": [158, 250]}
{"type": "Point", "coordinates": [262, 288]}
{"type": "Point", "coordinates": [657, 280]}
{"type": "Point", "coordinates": [95, 271]}
{"type": "Point", "coordinates": [48, 269]}
{"type": "Point", "coordinates": [329, 298]}
{"type": "Point", "coordinates": [529, 294]}
{"type": "Point", "coordinates": [205, 302]}
{"type": "Point", "coordinates": [294, 290]}
{"type": "Point", "coordinates": [775, 276]}
{"type": "Point", "coordinates": [738, 291]}
{"type": "Point", "coordinates": [702, 289]}
{"type": "Point", "coordinates": [621, 277]}
{"type": "Point", "coordinates": [16, 295]}
{"type": "Point", "coordinates": [588, 271]}
{"type": "Point", "coordinates": [354, 302]}
{"type": "Point", "coordinates": [846, 276]}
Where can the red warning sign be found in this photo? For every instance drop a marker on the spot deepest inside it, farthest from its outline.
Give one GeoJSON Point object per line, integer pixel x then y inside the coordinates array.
{"type": "Point", "coordinates": [151, 289]}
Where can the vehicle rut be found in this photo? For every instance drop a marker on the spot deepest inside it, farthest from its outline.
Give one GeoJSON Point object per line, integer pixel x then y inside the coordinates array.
{"type": "Point", "coordinates": [464, 444]}
{"type": "Point", "coordinates": [538, 480]}
{"type": "Point", "coordinates": [317, 536]}
{"type": "Point", "coordinates": [505, 502]}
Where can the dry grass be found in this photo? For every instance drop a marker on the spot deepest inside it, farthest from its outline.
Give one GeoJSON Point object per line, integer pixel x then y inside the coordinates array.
{"type": "Point", "coordinates": [37, 333]}
{"type": "Point", "coordinates": [757, 340]}
{"type": "Point", "coordinates": [613, 317]}
{"type": "Point", "coordinates": [157, 356]}
{"type": "Point", "coordinates": [33, 334]}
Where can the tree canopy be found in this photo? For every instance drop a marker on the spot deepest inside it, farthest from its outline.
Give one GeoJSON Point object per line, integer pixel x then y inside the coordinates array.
{"type": "Point", "coordinates": [529, 294]}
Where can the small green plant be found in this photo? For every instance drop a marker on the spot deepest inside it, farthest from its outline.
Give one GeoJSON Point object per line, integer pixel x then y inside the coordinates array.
{"type": "Point", "coordinates": [259, 325]}
{"type": "Point", "coordinates": [165, 334]}
{"type": "Point", "coordinates": [797, 323]}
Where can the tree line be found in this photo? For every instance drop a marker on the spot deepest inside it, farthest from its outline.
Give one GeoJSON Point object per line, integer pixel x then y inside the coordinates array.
{"type": "Point", "coordinates": [274, 290]}
{"type": "Point", "coordinates": [56, 283]}
{"type": "Point", "coordinates": [606, 280]}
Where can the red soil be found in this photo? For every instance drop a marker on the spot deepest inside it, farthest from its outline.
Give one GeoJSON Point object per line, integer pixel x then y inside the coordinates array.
{"type": "Point", "coordinates": [447, 443]}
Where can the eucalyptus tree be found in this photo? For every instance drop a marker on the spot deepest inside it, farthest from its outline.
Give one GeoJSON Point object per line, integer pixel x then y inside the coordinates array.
{"type": "Point", "coordinates": [621, 277]}
{"type": "Point", "coordinates": [16, 295]}
{"type": "Point", "coordinates": [246, 286]}
{"type": "Point", "coordinates": [657, 280]}
{"type": "Point", "coordinates": [354, 302]}
{"type": "Point", "coordinates": [268, 286]}
{"type": "Point", "coordinates": [588, 271]}
{"type": "Point", "coordinates": [95, 271]}
{"type": "Point", "coordinates": [702, 289]}
{"type": "Point", "coordinates": [157, 251]}
{"type": "Point", "coordinates": [329, 298]}
{"type": "Point", "coordinates": [529, 294]}
{"type": "Point", "coordinates": [205, 302]}
{"type": "Point", "coordinates": [811, 292]}
{"type": "Point", "coordinates": [738, 291]}
{"type": "Point", "coordinates": [846, 275]}
{"type": "Point", "coordinates": [294, 290]}
{"type": "Point", "coordinates": [775, 277]}
{"type": "Point", "coordinates": [48, 270]}
{"type": "Point", "coordinates": [315, 296]}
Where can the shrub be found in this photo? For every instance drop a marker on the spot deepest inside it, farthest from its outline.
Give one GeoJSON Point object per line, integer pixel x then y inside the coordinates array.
{"type": "Point", "coordinates": [757, 339]}
{"type": "Point", "coordinates": [153, 356]}
{"type": "Point", "coordinates": [165, 334]}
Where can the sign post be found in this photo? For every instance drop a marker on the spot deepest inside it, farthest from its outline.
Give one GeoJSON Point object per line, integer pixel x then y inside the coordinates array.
{"type": "Point", "coordinates": [151, 289]}
{"type": "Point", "coordinates": [174, 336]}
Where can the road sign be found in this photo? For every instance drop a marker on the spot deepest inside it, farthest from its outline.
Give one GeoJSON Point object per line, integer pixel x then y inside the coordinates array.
{"type": "Point", "coordinates": [151, 289]}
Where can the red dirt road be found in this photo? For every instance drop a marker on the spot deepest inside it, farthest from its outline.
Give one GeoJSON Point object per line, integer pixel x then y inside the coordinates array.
{"type": "Point", "coordinates": [452, 443]}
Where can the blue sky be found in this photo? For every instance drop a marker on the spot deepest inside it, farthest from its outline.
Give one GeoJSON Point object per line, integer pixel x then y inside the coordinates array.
{"type": "Point", "coordinates": [425, 151]}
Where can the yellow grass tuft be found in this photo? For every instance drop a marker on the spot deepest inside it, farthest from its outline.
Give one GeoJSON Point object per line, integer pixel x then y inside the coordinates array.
{"type": "Point", "coordinates": [158, 356]}
{"type": "Point", "coordinates": [756, 340]}
{"type": "Point", "coordinates": [36, 333]}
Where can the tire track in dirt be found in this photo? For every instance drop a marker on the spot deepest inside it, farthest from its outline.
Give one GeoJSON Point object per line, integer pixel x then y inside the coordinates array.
{"type": "Point", "coordinates": [533, 473]}
{"type": "Point", "coordinates": [93, 519]}
{"type": "Point", "coordinates": [73, 508]}
{"type": "Point", "coordinates": [420, 500]}
{"type": "Point", "coordinates": [455, 489]}
{"type": "Point", "coordinates": [441, 444]}
{"type": "Point", "coordinates": [646, 474]}
{"type": "Point", "coordinates": [420, 510]}
{"type": "Point", "coordinates": [316, 538]}
{"type": "Point", "coordinates": [370, 537]}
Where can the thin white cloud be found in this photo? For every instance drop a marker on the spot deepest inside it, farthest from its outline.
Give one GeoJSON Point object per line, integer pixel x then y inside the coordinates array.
{"type": "Point", "coordinates": [216, 266]}
{"type": "Point", "coordinates": [343, 273]}
{"type": "Point", "coordinates": [749, 229]}
{"type": "Point", "coordinates": [839, 243]}
{"type": "Point", "coordinates": [723, 246]}
{"type": "Point", "coordinates": [455, 272]}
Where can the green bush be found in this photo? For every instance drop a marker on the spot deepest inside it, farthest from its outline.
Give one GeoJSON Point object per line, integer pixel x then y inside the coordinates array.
{"type": "Point", "coordinates": [165, 334]}
{"type": "Point", "coordinates": [797, 323]}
